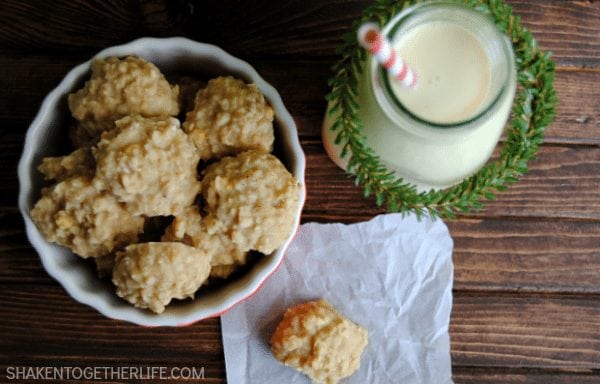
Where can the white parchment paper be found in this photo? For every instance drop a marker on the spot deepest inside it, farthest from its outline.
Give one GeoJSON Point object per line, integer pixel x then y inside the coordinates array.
{"type": "Point", "coordinates": [392, 275]}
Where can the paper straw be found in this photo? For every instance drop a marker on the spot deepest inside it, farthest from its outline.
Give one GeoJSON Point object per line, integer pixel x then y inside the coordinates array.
{"type": "Point", "coordinates": [371, 38]}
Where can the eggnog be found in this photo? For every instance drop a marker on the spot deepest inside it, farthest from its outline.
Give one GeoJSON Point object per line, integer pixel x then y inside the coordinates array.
{"type": "Point", "coordinates": [454, 73]}
{"type": "Point", "coordinates": [447, 127]}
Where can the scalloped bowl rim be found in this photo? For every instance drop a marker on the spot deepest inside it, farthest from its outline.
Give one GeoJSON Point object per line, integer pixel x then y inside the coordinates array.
{"type": "Point", "coordinates": [59, 262]}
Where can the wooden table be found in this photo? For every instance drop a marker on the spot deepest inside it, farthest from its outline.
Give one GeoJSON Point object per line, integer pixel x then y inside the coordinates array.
{"type": "Point", "coordinates": [527, 279]}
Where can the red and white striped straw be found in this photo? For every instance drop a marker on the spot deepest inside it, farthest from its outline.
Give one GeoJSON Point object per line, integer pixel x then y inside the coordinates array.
{"type": "Point", "coordinates": [371, 38]}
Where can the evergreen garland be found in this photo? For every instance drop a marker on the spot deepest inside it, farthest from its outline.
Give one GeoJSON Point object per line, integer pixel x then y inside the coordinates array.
{"type": "Point", "coordinates": [533, 110]}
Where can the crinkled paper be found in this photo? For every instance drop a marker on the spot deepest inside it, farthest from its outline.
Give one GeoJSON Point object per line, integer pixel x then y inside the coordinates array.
{"type": "Point", "coordinates": [392, 275]}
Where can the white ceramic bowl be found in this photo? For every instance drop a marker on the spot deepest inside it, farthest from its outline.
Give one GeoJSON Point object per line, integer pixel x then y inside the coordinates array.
{"type": "Point", "coordinates": [47, 132]}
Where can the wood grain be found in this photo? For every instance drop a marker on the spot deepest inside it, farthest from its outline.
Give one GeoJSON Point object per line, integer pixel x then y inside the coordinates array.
{"type": "Point", "coordinates": [576, 122]}
{"type": "Point", "coordinates": [469, 375]}
{"type": "Point", "coordinates": [567, 28]}
{"type": "Point", "coordinates": [538, 331]}
{"type": "Point", "coordinates": [70, 331]}
{"type": "Point", "coordinates": [526, 293]}
{"type": "Point", "coordinates": [566, 184]}
{"type": "Point", "coordinates": [298, 28]}
{"type": "Point", "coordinates": [85, 25]}
{"type": "Point", "coordinates": [486, 330]}
{"type": "Point", "coordinates": [526, 255]}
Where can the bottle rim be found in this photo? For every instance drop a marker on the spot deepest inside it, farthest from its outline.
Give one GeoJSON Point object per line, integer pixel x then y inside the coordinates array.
{"type": "Point", "coordinates": [395, 109]}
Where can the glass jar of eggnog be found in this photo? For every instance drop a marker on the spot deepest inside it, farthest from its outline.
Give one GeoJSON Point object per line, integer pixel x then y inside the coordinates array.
{"type": "Point", "coordinates": [447, 127]}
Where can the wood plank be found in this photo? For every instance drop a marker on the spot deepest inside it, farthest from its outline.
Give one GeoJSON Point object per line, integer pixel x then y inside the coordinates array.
{"type": "Point", "coordinates": [562, 182]}
{"type": "Point", "coordinates": [86, 26]}
{"type": "Point", "coordinates": [537, 331]}
{"type": "Point", "coordinates": [27, 80]}
{"type": "Point", "coordinates": [568, 28]}
{"type": "Point", "coordinates": [19, 262]}
{"type": "Point", "coordinates": [493, 330]}
{"type": "Point", "coordinates": [11, 147]}
{"type": "Point", "coordinates": [577, 118]}
{"type": "Point", "coordinates": [33, 327]}
{"type": "Point", "coordinates": [469, 375]}
{"type": "Point", "coordinates": [526, 255]}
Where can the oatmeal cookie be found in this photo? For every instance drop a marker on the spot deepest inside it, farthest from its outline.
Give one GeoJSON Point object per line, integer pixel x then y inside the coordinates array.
{"type": "Point", "coordinates": [187, 228]}
{"type": "Point", "coordinates": [78, 163]}
{"type": "Point", "coordinates": [319, 342]}
{"type": "Point", "coordinates": [229, 117]}
{"type": "Point", "coordinates": [75, 213]}
{"type": "Point", "coordinates": [121, 87]}
{"type": "Point", "coordinates": [150, 164]}
{"type": "Point", "coordinates": [150, 275]}
{"type": "Point", "coordinates": [252, 198]}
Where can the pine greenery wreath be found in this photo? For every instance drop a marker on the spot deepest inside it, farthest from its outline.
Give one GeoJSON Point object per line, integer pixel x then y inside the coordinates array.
{"type": "Point", "coordinates": [533, 110]}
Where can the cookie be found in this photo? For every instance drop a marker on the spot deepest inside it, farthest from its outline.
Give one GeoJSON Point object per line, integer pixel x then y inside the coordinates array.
{"type": "Point", "coordinates": [253, 198]}
{"type": "Point", "coordinates": [149, 164]}
{"type": "Point", "coordinates": [117, 88]}
{"type": "Point", "coordinates": [150, 275]}
{"type": "Point", "coordinates": [230, 117]}
{"type": "Point", "coordinates": [319, 342]}
{"type": "Point", "coordinates": [77, 214]}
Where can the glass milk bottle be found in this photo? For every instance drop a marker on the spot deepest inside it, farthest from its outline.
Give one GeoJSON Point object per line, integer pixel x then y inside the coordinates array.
{"type": "Point", "coordinates": [445, 129]}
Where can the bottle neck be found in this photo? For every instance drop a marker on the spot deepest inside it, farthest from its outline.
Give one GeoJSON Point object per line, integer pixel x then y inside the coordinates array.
{"type": "Point", "coordinates": [423, 33]}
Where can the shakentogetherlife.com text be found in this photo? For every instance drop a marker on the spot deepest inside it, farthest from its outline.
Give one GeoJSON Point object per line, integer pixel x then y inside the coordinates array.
{"type": "Point", "coordinates": [103, 373]}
